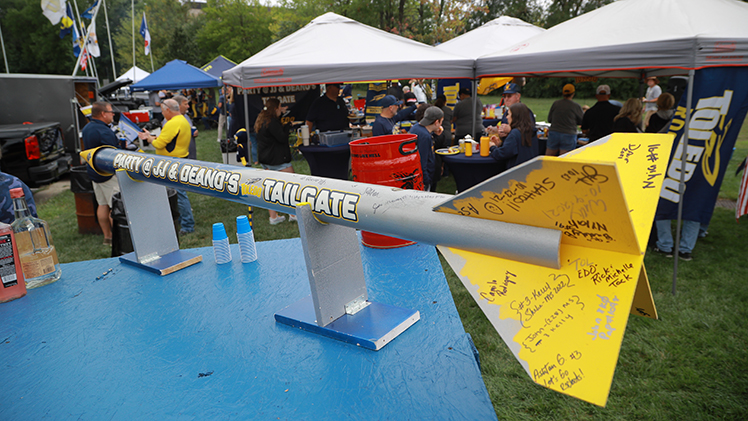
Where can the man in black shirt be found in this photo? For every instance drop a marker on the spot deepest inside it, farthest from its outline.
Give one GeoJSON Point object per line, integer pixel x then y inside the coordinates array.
{"type": "Point", "coordinates": [598, 120]}
{"type": "Point", "coordinates": [329, 111]}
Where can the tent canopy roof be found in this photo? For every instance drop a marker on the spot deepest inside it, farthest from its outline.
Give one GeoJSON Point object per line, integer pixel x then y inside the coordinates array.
{"type": "Point", "coordinates": [629, 37]}
{"type": "Point", "coordinates": [176, 74]}
{"type": "Point", "coordinates": [218, 65]}
{"type": "Point", "coordinates": [333, 48]}
{"type": "Point", "coordinates": [134, 74]}
{"type": "Point", "coordinates": [499, 33]}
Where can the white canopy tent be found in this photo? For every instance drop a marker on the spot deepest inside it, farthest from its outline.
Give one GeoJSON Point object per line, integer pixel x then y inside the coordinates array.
{"type": "Point", "coordinates": [491, 36]}
{"type": "Point", "coordinates": [135, 74]}
{"type": "Point", "coordinates": [629, 37]}
{"type": "Point", "coordinates": [333, 48]}
{"type": "Point", "coordinates": [634, 38]}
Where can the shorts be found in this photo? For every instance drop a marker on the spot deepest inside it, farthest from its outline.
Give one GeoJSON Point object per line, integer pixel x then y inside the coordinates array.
{"type": "Point", "coordinates": [280, 167]}
{"type": "Point", "coordinates": [104, 191]}
{"type": "Point", "coordinates": [561, 141]}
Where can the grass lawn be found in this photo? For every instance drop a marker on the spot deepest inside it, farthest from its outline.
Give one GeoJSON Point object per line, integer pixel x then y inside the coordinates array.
{"type": "Point", "coordinates": [686, 366]}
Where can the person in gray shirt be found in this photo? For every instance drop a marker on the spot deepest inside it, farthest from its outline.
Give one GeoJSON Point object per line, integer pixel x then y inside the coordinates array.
{"type": "Point", "coordinates": [463, 117]}
{"type": "Point", "coordinates": [565, 115]}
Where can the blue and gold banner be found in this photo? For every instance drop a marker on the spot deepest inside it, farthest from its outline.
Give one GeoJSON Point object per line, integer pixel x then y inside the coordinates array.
{"type": "Point", "coordinates": [720, 102]}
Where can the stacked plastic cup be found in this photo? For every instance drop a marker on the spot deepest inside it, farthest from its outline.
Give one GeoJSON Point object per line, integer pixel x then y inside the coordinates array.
{"type": "Point", "coordinates": [246, 238]}
{"type": "Point", "coordinates": [221, 244]}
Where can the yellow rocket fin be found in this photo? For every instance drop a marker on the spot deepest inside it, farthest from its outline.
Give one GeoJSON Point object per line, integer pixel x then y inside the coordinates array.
{"type": "Point", "coordinates": [565, 326]}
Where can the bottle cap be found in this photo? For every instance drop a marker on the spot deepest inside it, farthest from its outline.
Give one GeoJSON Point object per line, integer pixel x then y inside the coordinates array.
{"type": "Point", "coordinates": [219, 231]}
{"type": "Point", "coordinates": [242, 224]}
{"type": "Point", "coordinates": [16, 193]}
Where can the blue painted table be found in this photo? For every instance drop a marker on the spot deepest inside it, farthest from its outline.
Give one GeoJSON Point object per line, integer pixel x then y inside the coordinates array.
{"type": "Point", "coordinates": [202, 344]}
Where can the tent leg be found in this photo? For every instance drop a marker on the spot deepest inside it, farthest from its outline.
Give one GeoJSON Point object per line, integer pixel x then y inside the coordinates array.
{"type": "Point", "coordinates": [475, 106]}
{"type": "Point", "coordinates": [682, 184]}
{"type": "Point", "coordinates": [246, 126]}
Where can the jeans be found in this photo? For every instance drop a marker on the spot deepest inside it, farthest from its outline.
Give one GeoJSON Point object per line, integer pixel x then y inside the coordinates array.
{"type": "Point", "coordinates": [253, 141]}
{"type": "Point", "coordinates": [185, 212]}
{"type": "Point", "coordinates": [688, 235]}
{"type": "Point", "coordinates": [561, 141]}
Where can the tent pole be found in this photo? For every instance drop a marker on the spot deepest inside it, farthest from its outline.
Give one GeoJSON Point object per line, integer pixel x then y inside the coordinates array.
{"type": "Point", "coordinates": [246, 123]}
{"type": "Point", "coordinates": [682, 183]}
{"type": "Point", "coordinates": [475, 106]}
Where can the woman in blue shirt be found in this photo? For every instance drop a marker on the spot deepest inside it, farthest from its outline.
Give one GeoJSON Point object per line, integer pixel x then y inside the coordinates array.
{"type": "Point", "coordinates": [521, 144]}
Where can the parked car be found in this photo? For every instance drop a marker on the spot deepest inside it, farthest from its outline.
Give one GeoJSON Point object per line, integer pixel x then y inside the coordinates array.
{"type": "Point", "coordinates": [34, 152]}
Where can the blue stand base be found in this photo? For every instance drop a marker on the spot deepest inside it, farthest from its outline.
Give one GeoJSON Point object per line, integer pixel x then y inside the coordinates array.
{"type": "Point", "coordinates": [372, 327]}
{"type": "Point", "coordinates": [166, 264]}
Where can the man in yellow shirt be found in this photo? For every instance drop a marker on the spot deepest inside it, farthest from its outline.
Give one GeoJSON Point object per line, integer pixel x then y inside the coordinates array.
{"type": "Point", "coordinates": [174, 141]}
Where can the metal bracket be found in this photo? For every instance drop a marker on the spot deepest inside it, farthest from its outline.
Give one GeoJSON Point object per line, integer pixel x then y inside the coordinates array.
{"type": "Point", "coordinates": [152, 231]}
{"type": "Point", "coordinates": [356, 305]}
{"type": "Point", "coordinates": [338, 306]}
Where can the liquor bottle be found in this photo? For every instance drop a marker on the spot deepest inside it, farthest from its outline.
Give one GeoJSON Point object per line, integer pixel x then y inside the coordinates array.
{"type": "Point", "coordinates": [12, 285]}
{"type": "Point", "coordinates": [35, 248]}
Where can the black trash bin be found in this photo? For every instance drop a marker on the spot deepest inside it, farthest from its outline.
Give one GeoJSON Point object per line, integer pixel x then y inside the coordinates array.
{"type": "Point", "coordinates": [85, 201]}
{"type": "Point", "coordinates": [121, 240]}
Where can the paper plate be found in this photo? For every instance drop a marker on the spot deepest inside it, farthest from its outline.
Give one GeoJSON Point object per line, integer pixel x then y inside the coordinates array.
{"type": "Point", "coordinates": [448, 151]}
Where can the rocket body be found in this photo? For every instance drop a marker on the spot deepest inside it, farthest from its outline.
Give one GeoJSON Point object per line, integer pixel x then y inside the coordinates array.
{"type": "Point", "coordinates": [406, 214]}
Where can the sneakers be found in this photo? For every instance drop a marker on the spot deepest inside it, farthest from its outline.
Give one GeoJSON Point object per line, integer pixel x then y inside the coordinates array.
{"type": "Point", "coordinates": [291, 218]}
{"type": "Point", "coordinates": [185, 232]}
{"type": "Point", "coordinates": [685, 256]}
{"type": "Point", "coordinates": [277, 220]}
{"type": "Point", "coordinates": [666, 253]}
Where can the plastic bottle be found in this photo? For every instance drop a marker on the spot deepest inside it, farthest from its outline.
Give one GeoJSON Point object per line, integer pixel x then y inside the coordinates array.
{"type": "Point", "coordinates": [12, 284]}
{"type": "Point", "coordinates": [35, 248]}
{"type": "Point", "coordinates": [221, 244]}
{"type": "Point", "coordinates": [246, 238]}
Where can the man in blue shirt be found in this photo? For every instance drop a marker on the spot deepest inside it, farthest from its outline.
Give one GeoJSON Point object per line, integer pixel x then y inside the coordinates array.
{"type": "Point", "coordinates": [98, 133]}
{"type": "Point", "coordinates": [385, 121]}
{"type": "Point", "coordinates": [329, 111]}
{"type": "Point", "coordinates": [430, 123]}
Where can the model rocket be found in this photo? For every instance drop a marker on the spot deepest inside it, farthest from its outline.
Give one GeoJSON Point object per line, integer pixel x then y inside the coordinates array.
{"type": "Point", "coordinates": [551, 250]}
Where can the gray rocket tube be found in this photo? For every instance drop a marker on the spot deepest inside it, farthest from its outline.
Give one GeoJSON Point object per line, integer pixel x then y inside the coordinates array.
{"type": "Point", "coordinates": [406, 214]}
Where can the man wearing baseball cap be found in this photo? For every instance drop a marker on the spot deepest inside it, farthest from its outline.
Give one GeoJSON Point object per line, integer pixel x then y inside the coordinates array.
{"type": "Point", "coordinates": [512, 95]}
{"type": "Point", "coordinates": [385, 121]}
{"type": "Point", "coordinates": [430, 123]}
{"type": "Point", "coordinates": [565, 115]}
{"type": "Point", "coordinates": [598, 120]}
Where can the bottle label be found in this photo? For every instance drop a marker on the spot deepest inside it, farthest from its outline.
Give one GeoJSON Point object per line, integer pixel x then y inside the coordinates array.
{"type": "Point", "coordinates": [36, 268]}
{"type": "Point", "coordinates": [7, 264]}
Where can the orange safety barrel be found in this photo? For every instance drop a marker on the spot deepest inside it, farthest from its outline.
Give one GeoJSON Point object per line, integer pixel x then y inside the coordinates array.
{"type": "Point", "coordinates": [391, 160]}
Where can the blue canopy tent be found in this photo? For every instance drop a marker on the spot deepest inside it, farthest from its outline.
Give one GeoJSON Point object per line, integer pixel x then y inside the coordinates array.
{"type": "Point", "coordinates": [177, 74]}
{"type": "Point", "coordinates": [218, 66]}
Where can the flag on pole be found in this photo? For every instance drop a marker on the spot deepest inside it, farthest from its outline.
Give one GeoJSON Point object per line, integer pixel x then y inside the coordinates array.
{"type": "Point", "coordinates": [67, 23]}
{"type": "Point", "coordinates": [741, 207]}
{"type": "Point", "coordinates": [54, 10]}
{"type": "Point", "coordinates": [146, 35]}
{"type": "Point", "coordinates": [93, 42]}
{"type": "Point", "coordinates": [91, 11]}
{"type": "Point", "coordinates": [77, 40]}
{"type": "Point", "coordinates": [84, 59]}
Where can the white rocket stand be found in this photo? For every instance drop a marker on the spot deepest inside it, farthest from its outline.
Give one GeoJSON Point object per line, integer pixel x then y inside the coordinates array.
{"type": "Point", "coordinates": [338, 306]}
{"type": "Point", "coordinates": [154, 238]}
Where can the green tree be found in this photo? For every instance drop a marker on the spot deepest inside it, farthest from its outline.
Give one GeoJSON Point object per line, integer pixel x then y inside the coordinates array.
{"type": "Point", "coordinates": [32, 43]}
{"type": "Point", "coordinates": [173, 31]}
{"type": "Point", "coordinates": [234, 28]}
{"type": "Point", "coordinates": [563, 10]}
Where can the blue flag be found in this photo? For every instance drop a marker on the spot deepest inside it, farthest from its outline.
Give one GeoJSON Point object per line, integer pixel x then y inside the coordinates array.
{"type": "Point", "coordinates": [67, 22]}
{"type": "Point", "coordinates": [89, 13]}
{"type": "Point", "coordinates": [720, 102]}
{"type": "Point", "coordinates": [146, 35]}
